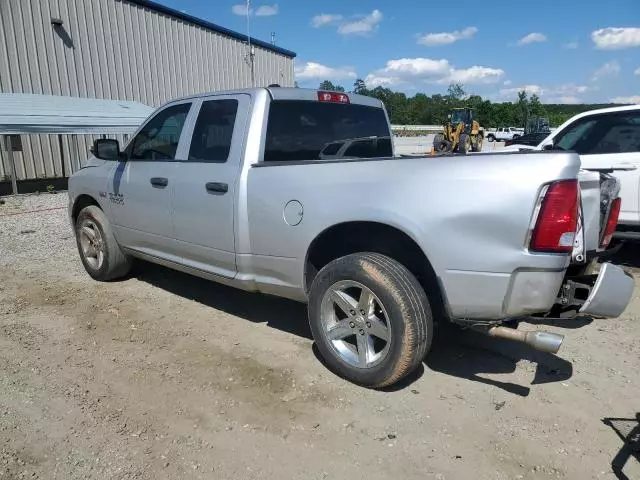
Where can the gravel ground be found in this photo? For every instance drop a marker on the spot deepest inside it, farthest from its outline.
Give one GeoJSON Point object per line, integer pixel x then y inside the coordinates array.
{"type": "Point", "coordinates": [167, 376]}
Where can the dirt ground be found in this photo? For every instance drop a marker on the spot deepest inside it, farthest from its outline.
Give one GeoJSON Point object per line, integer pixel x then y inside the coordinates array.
{"type": "Point", "coordinates": [168, 376]}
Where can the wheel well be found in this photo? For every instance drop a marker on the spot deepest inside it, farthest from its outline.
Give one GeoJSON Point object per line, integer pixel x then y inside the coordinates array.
{"type": "Point", "coordinates": [81, 202]}
{"type": "Point", "coordinates": [353, 237]}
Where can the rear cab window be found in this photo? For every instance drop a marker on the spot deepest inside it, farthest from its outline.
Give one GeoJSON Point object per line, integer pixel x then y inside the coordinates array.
{"type": "Point", "coordinates": [303, 130]}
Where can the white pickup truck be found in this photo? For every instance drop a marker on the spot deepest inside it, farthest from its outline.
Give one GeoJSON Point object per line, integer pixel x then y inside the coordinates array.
{"type": "Point", "coordinates": [504, 133]}
{"type": "Point", "coordinates": [605, 137]}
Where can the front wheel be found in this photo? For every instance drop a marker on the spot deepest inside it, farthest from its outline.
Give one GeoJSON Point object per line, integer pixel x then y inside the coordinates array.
{"type": "Point", "coordinates": [491, 138]}
{"type": "Point", "coordinates": [464, 144]}
{"type": "Point", "coordinates": [99, 251]}
{"type": "Point", "coordinates": [370, 318]}
{"type": "Point", "coordinates": [476, 145]}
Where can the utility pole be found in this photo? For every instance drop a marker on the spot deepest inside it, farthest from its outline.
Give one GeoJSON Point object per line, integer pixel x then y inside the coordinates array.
{"type": "Point", "coordinates": [250, 50]}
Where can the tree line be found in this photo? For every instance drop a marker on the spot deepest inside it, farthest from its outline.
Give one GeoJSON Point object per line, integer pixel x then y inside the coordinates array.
{"type": "Point", "coordinates": [422, 109]}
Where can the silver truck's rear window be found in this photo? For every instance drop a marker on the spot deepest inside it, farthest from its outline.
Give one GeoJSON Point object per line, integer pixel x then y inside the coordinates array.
{"type": "Point", "coordinates": [303, 130]}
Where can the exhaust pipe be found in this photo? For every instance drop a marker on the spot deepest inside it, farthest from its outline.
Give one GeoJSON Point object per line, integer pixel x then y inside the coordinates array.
{"type": "Point", "coordinates": [543, 341]}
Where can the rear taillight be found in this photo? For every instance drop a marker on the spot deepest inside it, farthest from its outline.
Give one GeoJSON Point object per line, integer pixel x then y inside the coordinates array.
{"type": "Point", "coordinates": [557, 221]}
{"type": "Point", "coordinates": [612, 223]}
{"type": "Point", "coordinates": [333, 97]}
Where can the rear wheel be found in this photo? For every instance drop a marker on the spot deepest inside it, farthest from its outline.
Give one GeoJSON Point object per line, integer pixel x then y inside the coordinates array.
{"type": "Point", "coordinates": [440, 144]}
{"type": "Point", "coordinates": [99, 251]}
{"type": "Point", "coordinates": [370, 318]}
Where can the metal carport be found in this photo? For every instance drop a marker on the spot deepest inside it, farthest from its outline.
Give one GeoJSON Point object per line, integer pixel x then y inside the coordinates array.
{"type": "Point", "coordinates": [38, 115]}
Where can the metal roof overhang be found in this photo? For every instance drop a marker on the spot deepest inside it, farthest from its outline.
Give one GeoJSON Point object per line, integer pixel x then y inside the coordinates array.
{"type": "Point", "coordinates": [24, 113]}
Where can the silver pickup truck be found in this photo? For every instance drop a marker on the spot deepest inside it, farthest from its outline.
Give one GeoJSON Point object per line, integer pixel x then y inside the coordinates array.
{"type": "Point", "coordinates": [297, 193]}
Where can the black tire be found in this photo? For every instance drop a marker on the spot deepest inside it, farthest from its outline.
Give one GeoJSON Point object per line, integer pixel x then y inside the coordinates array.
{"type": "Point", "coordinates": [440, 144]}
{"type": "Point", "coordinates": [115, 263]}
{"type": "Point", "coordinates": [491, 137]}
{"type": "Point", "coordinates": [476, 146]}
{"type": "Point", "coordinates": [464, 143]}
{"type": "Point", "coordinates": [409, 317]}
{"type": "Point", "coordinates": [515, 135]}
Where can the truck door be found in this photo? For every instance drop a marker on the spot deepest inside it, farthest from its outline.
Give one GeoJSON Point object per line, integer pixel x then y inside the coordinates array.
{"type": "Point", "coordinates": [140, 190]}
{"type": "Point", "coordinates": [205, 188]}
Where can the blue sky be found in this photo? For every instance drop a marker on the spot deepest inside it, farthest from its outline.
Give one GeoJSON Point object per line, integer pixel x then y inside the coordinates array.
{"type": "Point", "coordinates": [568, 51]}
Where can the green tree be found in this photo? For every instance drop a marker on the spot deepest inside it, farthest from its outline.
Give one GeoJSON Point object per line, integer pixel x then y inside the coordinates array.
{"type": "Point", "coordinates": [455, 92]}
{"type": "Point", "coordinates": [359, 87]}
{"type": "Point", "coordinates": [523, 108]}
{"type": "Point", "coordinates": [327, 85]}
{"type": "Point", "coordinates": [536, 109]}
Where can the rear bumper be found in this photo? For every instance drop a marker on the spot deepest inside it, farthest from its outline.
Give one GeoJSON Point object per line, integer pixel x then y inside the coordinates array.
{"type": "Point", "coordinates": [493, 296]}
{"type": "Point", "coordinates": [610, 294]}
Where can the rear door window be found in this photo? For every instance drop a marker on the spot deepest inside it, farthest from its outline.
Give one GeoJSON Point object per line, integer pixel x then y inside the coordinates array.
{"type": "Point", "coordinates": [213, 132]}
{"type": "Point", "coordinates": [304, 130]}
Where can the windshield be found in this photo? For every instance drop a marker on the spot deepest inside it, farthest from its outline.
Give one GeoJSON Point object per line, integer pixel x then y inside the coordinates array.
{"type": "Point", "coordinates": [458, 116]}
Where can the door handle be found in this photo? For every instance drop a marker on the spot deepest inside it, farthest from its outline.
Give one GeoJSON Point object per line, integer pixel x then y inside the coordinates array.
{"type": "Point", "coordinates": [217, 187]}
{"type": "Point", "coordinates": [160, 182]}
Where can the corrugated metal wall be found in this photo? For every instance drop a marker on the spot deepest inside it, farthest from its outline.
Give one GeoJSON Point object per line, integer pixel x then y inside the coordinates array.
{"type": "Point", "coordinates": [115, 49]}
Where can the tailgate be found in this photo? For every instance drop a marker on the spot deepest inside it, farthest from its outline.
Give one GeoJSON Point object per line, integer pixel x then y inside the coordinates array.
{"type": "Point", "coordinates": [598, 188]}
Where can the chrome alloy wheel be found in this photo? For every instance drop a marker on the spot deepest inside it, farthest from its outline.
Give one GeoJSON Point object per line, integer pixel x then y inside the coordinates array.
{"type": "Point", "coordinates": [355, 324]}
{"type": "Point", "coordinates": [91, 244]}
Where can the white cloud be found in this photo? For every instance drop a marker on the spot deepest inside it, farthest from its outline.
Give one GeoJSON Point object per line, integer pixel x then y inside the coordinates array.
{"type": "Point", "coordinates": [363, 25]}
{"type": "Point", "coordinates": [474, 75]}
{"type": "Point", "coordinates": [532, 38]}
{"type": "Point", "coordinates": [633, 99]}
{"type": "Point", "coordinates": [614, 38]}
{"type": "Point", "coordinates": [262, 11]}
{"type": "Point", "coordinates": [267, 10]}
{"type": "Point", "coordinates": [240, 9]}
{"type": "Point", "coordinates": [564, 93]}
{"type": "Point", "coordinates": [446, 38]}
{"type": "Point", "coordinates": [513, 92]}
{"type": "Point", "coordinates": [570, 99]}
{"type": "Point", "coordinates": [507, 83]}
{"type": "Point", "coordinates": [373, 81]}
{"type": "Point", "coordinates": [325, 19]}
{"type": "Point", "coordinates": [317, 71]}
{"type": "Point", "coordinates": [356, 25]}
{"type": "Point", "coordinates": [571, 45]}
{"type": "Point", "coordinates": [407, 71]}
{"type": "Point", "coordinates": [637, 71]}
{"type": "Point", "coordinates": [570, 89]}
{"type": "Point", "coordinates": [608, 69]}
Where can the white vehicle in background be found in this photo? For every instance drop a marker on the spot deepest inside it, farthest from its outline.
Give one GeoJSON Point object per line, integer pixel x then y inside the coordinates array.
{"type": "Point", "coordinates": [503, 133]}
{"type": "Point", "coordinates": [605, 138]}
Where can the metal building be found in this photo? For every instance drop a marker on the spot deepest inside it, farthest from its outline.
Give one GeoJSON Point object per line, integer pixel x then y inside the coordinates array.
{"type": "Point", "coordinates": [134, 50]}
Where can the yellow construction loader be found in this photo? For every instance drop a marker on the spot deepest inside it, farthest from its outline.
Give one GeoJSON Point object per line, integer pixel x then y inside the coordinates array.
{"type": "Point", "coordinates": [461, 133]}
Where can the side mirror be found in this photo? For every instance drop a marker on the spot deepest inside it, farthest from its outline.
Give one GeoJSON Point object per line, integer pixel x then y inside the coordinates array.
{"type": "Point", "coordinates": [106, 149]}
{"type": "Point", "coordinates": [548, 146]}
